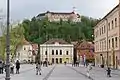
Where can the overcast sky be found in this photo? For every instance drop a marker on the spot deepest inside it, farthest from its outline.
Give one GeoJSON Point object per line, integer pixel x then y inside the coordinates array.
{"type": "Point", "coordinates": [21, 9]}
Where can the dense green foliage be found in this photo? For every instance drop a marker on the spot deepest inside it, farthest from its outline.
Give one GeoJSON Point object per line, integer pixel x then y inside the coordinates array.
{"type": "Point", "coordinates": [38, 31]}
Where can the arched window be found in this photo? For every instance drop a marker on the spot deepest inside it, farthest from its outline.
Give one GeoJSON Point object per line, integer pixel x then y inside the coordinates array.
{"type": "Point", "coordinates": [52, 52]}
{"type": "Point", "coordinates": [60, 52]}
{"type": "Point", "coordinates": [67, 53]}
{"type": "Point", "coordinates": [56, 52]}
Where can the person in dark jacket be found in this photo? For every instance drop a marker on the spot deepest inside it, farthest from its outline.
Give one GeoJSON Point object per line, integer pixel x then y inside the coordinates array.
{"type": "Point", "coordinates": [108, 72]}
{"type": "Point", "coordinates": [17, 67]}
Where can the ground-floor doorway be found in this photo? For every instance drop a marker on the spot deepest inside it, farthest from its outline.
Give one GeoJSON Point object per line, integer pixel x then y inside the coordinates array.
{"type": "Point", "coordinates": [52, 60]}
{"type": "Point", "coordinates": [60, 60]}
{"type": "Point", "coordinates": [56, 60]}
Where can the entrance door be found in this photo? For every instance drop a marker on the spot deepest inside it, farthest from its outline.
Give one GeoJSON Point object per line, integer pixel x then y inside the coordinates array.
{"type": "Point", "coordinates": [52, 60]}
{"type": "Point", "coordinates": [60, 60]}
{"type": "Point", "coordinates": [67, 60]}
{"type": "Point", "coordinates": [57, 60]}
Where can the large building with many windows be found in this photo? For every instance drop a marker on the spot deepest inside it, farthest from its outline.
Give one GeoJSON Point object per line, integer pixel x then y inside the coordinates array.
{"type": "Point", "coordinates": [107, 39]}
{"type": "Point", "coordinates": [56, 51]}
{"type": "Point", "coordinates": [57, 16]}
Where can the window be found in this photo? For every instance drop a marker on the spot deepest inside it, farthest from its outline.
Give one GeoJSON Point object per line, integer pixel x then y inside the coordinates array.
{"type": "Point", "coordinates": [100, 31]}
{"type": "Point", "coordinates": [97, 33]}
{"type": "Point", "coordinates": [115, 22]}
{"type": "Point", "coordinates": [108, 26]}
{"type": "Point", "coordinates": [105, 44]}
{"type": "Point", "coordinates": [109, 43]}
{"type": "Point", "coordinates": [116, 42]}
{"type": "Point", "coordinates": [104, 29]}
{"type": "Point", "coordinates": [56, 52]}
{"type": "Point", "coordinates": [66, 52]}
{"type": "Point", "coordinates": [45, 52]}
{"type": "Point", "coordinates": [112, 42]}
{"type": "Point", "coordinates": [52, 52]}
{"type": "Point", "coordinates": [112, 24]}
{"type": "Point", "coordinates": [100, 45]}
{"type": "Point", "coordinates": [53, 60]}
{"type": "Point", "coordinates": [60, 60]}
{"type": "Point", "coordinates": [60, 52]}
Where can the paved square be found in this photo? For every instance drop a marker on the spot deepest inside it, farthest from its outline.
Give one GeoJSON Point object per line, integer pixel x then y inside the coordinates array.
{"type": "Point", "coordinates": [62, 72]}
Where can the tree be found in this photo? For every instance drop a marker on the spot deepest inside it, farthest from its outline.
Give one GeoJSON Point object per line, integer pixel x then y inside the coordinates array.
{"type": "Point", "coordinates": [16, 37]}
{"type": "Point", "coordinates": [35, 31]}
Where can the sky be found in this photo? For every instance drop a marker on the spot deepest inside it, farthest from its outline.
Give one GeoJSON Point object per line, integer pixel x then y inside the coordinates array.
{"type": "Point", "coordinates": [21, 9]}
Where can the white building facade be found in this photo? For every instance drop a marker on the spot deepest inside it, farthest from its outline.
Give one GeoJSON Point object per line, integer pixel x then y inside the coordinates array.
{"type": "Point", "coordinates": [56, 51]}
{"type": "Point", "coordinates": [24, 53]}
{"type": "Point", "coordinates": [57, 16]}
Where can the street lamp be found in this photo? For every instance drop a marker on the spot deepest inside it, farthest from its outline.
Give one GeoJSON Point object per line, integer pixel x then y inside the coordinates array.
{"type": "Point", "coordinates": [8, 43]}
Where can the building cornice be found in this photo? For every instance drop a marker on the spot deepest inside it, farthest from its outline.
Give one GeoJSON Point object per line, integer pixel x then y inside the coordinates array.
{"type": "Point", "coordinates": [106, 16]}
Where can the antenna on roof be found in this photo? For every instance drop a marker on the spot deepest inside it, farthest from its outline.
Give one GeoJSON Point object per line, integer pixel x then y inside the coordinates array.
{"type": "Point", "coordinates": [74, 9]}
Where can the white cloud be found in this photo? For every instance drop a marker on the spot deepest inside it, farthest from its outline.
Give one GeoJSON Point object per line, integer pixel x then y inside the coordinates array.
{"type": "Point", "coordinates": [28, 8]}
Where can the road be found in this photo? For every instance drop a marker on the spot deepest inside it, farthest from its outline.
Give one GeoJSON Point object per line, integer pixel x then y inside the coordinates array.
{"type": "Point", "coordinates": [61, 72]}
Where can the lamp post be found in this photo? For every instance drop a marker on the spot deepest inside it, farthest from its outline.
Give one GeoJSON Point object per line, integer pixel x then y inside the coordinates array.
{"type": "Point", "coordinates": [8, 43]}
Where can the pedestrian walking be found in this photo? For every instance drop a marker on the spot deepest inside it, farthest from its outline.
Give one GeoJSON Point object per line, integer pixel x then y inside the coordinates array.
{"type": "Point", "coordinates": [17, 67]}
{"type": "Point", "coordinates": [38, 68]}
{"type": "Point", "coordinates": [12, 68]}
{"type": "Point", "coordinates": [89, 68]}
{"type": "Point", "coordinates": [108, 72]}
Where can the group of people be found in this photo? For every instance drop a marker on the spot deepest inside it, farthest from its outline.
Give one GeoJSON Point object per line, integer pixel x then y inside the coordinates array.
{"type": "Point", "coordinates": [75, 64]}
{"type": "Point", "coordinates": [17, 64]}
{"type": "Point", "coordinates": [12, 65]}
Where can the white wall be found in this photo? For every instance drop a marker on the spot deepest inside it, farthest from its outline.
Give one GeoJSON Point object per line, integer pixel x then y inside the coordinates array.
{"type": "Point", "coordinates": [50, 47]}
{"type": "Point", "coordinates": [24, 53]}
